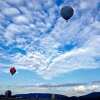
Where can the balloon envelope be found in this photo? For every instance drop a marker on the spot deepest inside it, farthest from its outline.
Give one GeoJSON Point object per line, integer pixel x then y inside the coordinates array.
{"type": "Point", "coordinates": [12, 70]}
{"type": "Point", "coordinates": [67, 12]}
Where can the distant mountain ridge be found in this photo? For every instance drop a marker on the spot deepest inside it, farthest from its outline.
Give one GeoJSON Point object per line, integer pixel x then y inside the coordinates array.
{"type": "Point", "coordinates": [47, 96]}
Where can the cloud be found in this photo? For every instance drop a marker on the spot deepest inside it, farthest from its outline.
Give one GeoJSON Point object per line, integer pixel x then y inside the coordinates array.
{"type": "Point", "coordinates": [37, 28]}
{"type": "Point", "coordinates": [10, 11]}
{"type": "Point", "coordinates": [32, 60]}
{"type": "Point", "coordinates": [76, 59]}
{"type": "Point", "coordinates": [21, 19]}
{"type": "Point", "coordinates": [70, 90]}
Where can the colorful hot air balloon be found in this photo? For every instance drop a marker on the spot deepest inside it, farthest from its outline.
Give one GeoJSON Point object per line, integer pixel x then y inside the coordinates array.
{"type": "Point", "coordinates": [67, 12]}
{"type": "Point", "coordinates": [12, 70]}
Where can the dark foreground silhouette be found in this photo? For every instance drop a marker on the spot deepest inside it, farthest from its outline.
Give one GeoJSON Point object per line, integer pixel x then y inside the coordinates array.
{"type": "Point", "coordinates": [46, 96]}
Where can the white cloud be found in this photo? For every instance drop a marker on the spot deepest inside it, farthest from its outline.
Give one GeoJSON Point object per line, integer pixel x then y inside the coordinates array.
{"type": "Point", "coordinates": [83, 5]}
{"type": "Point", "coordinates": [82, 89]}
{"type": "Point", "coordinates": [76, 59]}
{"type": "Point", "coordinates": [32, 61]}
{"type": "Point", "coordinates": [37, 28]}
{"type": "Point", "coordinates": [96, 24]}
{"type": "Point", "coordinates": [21, 20]}
{"type": "Point", "coordinates": [10, 11]}
{"type": "Point", "coordinates": [16, 2]}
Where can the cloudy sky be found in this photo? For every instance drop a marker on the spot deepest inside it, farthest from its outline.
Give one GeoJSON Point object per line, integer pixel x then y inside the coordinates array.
{"type": "Point", "coordinates": [44, 48]}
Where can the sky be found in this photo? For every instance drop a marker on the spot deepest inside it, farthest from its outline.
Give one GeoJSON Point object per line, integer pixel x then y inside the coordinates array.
{"type": "Point", "coordinates": [45, 49]}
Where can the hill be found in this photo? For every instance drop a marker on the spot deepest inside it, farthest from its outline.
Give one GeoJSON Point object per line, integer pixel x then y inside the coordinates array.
{"type": "Point", "coordinates": [46, 96]}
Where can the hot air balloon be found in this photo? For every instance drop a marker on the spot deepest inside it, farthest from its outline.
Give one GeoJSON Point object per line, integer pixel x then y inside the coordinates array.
{"type": "Point", "coordinates": [12, 70]}
{"type": "Point", "coordinates": [67, 12]}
